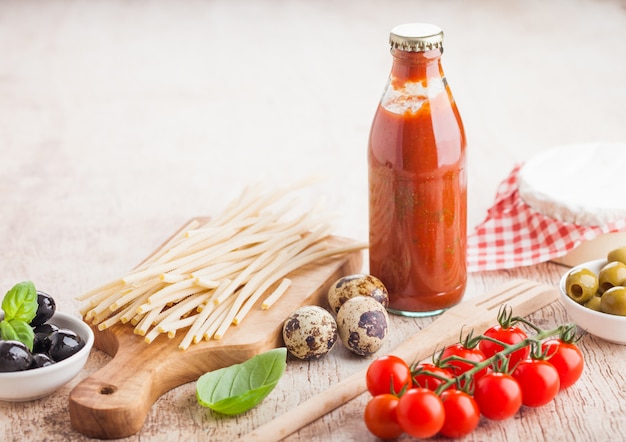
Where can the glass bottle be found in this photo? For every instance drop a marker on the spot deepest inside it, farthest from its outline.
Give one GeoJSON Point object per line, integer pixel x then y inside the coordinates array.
{"type": "Point", "coordinates": [418, 180]}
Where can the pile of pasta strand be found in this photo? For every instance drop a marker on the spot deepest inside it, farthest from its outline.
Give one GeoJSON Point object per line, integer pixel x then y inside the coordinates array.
{"type": "Point", "coordinates": [209, 276]}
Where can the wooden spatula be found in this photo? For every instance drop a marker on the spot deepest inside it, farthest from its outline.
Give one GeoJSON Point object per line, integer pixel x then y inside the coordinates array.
{"type": "Point", "coordinates": [524, 297]}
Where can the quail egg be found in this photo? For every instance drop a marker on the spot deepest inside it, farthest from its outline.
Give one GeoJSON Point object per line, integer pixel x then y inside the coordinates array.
{"type": "Point", "coordinates": [310, 332]}
{"type": "Point", "coordinates": [356, 285]}
{"type": "Point", "coordinates": [363, 324]}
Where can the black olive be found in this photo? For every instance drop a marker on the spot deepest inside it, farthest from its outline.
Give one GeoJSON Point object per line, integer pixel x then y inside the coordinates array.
{"type": "Point", "coordinates": [46, 308]}
{"type": "Point", "coordinates": [14, 356]}
{"type": "Point", "coordinates": [40, 345]}
{"type": "Point", "coordinates": [63, 343]}
{"type": "Point", "coordinates": [41, 360]}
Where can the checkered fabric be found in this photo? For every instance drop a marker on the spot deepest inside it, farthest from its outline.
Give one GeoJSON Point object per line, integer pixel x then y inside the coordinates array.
{"type": "Point", "coordinates": [515, 235]}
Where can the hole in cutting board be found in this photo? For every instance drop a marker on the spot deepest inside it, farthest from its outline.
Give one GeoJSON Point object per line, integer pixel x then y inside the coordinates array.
{"type": "Point", "coordinates": [109, 389]}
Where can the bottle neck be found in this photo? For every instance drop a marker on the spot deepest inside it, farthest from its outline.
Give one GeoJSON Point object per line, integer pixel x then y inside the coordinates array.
{"type": "Point", "coordinates": [415, 67]}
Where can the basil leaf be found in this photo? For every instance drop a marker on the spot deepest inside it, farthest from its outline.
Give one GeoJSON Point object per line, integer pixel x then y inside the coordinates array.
{"type": "Point", "coordinates": [21, 302]}
{"type": "Point", "coordinates": [240, 387]}
{"type": "Point", "coordinates": [17, 330]}
{"type": "Point", "coordinates": [7, 332]}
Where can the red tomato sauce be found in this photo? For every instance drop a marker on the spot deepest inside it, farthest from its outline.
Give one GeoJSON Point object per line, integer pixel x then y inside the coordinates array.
{"type": "Point", "coordinates": [418, 194]}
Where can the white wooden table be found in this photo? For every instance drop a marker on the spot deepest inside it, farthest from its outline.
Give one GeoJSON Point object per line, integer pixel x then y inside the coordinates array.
{"type": "Point", "coordinates": [121, 120]}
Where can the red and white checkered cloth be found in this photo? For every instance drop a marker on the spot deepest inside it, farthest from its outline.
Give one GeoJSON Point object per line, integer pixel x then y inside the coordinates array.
{"type": "Point", "coordinates": [515, 235]}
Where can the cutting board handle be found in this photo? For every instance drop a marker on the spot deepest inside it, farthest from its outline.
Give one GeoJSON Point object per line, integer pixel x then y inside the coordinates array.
{"type": "Point", "coordinates": [114, 401]}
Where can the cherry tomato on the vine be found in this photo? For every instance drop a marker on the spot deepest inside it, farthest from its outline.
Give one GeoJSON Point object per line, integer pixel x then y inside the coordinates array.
{"type": "Point", "coordinates": [457, 368]}
{"type": "Point", "coordinates": [380, 416]}
{"type": "Point", "coordinates": [538, 380]}
{"type": "Point", "coordinates": [420, 413]}
{"type": "Point", "coordinates": [462, 414]}
{"type": "Point", "coordinates": [388, 374]}
{"type": "Point", "coordinates": [429, 376]}
{"type": "Point", "coordinates": [498, 396]}
{"type": "Point", "coordinates": [511, 336]}
{"type": "Point", "coordinates": [566, 358]}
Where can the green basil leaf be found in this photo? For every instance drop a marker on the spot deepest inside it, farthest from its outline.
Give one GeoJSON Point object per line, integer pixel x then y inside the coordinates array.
{"type": "Point", "coordinates": [17, 330]}
{"type": "Point", "coordinates": [20, 302]}
{"type": "Point", "coordinates": [7, 332]}
{"type": "Point", "coordinates": [238, 388]}
{"type": "Point", "coordinates": [24, 332]}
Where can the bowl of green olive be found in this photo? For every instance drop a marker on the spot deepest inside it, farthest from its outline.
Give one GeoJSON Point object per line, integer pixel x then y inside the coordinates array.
{"type": "Point", "coordinates": [594, 296]}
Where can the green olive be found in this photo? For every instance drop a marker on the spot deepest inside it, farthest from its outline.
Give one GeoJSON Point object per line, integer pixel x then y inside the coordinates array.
{"type": "Point", "coordinates": [594, 303]}
{"type": "Point", "coordinates": [617, 255]}
{"type": "Point", "coordinates": [613, 301]}
{"type": "Point", "coordinates": [581, 284]}
{"type": "Point", "coordinates": [611, 275]}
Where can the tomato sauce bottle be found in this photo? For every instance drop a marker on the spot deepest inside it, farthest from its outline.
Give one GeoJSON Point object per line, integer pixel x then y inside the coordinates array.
{"type": "Point", "coordinates": [418, 180]}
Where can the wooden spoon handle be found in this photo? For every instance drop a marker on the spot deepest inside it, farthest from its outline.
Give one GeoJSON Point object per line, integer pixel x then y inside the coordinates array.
{"type": "Point", "coordinates": [524, 297]}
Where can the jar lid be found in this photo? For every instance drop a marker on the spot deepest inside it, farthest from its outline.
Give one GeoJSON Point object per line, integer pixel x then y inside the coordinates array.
{"type": "Point", "coordinates": [416, 37]}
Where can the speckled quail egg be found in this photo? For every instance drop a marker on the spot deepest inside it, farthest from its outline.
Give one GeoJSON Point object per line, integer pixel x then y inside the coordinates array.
{"type": "Point", "coordinates": [363, 324]}
{"type": "Point", "coordinates": [356, 285]}
{"type": "Point", "coordinates": [310, 332]}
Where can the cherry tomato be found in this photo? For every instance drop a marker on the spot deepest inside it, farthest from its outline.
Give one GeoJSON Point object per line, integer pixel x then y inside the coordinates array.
{"type": "Point", "coordinates": [420, 413]}
{"type": "Point", "coordinates": [388, 374]}
{"type": "Point", "coordinates": [426, 376]}
{"type": "Point", "coordinates": [511, 335]}
{"type": "Point", "coordinates": [457, 368]}
{"type": "Point", "coordinates": [566, 358]}
{"type": "Point", "coordinates": [498, 396]}
{"type": "Point", "coordinates": [380, 416]}
{"type": "Point", "coordinates": [462, 414]}
{"type": "Point", "coordinates": [539, 381]}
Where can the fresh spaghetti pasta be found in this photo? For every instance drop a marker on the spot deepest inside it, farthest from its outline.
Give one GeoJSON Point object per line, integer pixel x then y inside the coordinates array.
{"type": "Point", "coordinates": [209, 276]}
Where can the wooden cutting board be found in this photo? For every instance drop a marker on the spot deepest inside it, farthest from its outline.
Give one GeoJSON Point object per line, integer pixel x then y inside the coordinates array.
{"type": "Point", "coordinates": [114, 402]}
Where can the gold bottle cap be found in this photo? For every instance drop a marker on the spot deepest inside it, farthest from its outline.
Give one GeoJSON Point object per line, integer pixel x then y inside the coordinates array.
{"type": "Point", "coordinates": [416, 37]}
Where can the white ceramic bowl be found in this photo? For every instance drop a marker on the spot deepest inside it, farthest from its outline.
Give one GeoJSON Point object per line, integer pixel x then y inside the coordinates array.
{"type": "Point", "coordinates": [28, 385]}
{"type": "Point", "coordinates": [611, 328]}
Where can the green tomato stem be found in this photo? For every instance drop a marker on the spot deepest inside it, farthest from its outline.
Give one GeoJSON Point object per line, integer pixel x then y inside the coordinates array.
{"type": "Point", "coordinates": [565, 331]}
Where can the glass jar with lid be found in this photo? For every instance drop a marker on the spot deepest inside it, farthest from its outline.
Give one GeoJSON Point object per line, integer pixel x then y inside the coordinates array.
{"type": "Point", "coordinates": [418, 179]}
